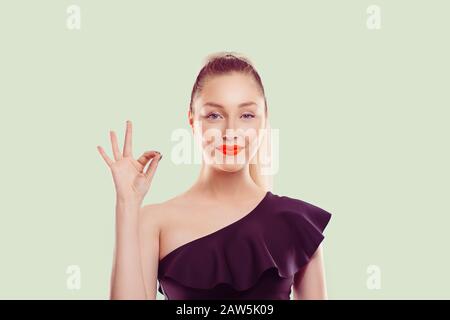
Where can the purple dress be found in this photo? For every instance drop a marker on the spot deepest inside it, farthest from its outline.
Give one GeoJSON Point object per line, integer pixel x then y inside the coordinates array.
{"type": "Point", "coordinates": [255, 257]}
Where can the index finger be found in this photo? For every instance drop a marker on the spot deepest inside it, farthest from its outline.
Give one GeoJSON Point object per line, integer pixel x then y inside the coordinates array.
{"type": "Point", "coordinates": [128, 137]}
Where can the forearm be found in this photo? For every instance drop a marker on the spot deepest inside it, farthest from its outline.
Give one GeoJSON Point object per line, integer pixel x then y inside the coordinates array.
{"type": "Point", "coordinates": [127, 279]}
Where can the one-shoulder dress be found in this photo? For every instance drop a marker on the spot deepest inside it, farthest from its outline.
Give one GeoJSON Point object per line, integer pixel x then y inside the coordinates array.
{"type": "Point", "coordinates": [255, 257]}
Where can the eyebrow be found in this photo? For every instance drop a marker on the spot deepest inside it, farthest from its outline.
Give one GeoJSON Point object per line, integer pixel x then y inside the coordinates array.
{"type": "Point", "coordinates": [243, 104]}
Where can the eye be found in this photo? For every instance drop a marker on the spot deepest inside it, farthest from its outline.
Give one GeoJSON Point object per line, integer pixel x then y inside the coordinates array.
{"type": "Point", "coordinates": [213, 116]}
{"type": "Point", "coordinates": [248, 116]}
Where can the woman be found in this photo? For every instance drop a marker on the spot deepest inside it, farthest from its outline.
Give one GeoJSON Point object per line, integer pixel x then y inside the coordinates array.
{"type": "Point", "coordinates": [228, 236]}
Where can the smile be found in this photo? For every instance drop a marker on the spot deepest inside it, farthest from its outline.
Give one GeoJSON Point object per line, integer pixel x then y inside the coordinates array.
{"type": "Point", "coordinates": [229, 150]}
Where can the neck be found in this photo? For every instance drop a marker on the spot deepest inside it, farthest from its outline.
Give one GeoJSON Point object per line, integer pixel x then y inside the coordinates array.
{"type": "Point", "coordinates": [220, 184]}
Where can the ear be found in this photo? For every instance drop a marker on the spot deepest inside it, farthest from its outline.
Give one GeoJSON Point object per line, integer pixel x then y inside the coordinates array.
{"type": "Point", "coordinates": [190, 118]}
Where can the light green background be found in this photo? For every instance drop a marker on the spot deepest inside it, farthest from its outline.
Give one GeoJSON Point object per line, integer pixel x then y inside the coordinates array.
{"type": "Point", "coordinates": [363, 119]}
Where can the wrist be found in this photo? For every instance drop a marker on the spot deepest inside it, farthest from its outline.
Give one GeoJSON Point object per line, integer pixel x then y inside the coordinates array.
{"type": "Point", "coordinates": [127, 212]}
{"type": "Point", "coordinates": [128, 203]}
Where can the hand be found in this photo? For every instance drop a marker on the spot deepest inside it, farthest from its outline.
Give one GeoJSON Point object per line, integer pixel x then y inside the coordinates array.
{"type": "Point", "coordinates": [130, 180]}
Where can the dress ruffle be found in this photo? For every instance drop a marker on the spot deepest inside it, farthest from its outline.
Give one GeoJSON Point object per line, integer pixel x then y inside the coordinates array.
{"type": "Point", "coordinates": [281, 233]}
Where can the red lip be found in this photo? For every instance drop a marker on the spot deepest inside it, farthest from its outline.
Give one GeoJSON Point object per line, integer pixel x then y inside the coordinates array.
{"type": "Point", "coordinates": [230, 149]}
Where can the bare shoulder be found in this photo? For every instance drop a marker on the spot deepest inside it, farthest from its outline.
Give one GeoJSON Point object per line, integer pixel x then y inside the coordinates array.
{"type": "Point", "coordinates": [157, 214]}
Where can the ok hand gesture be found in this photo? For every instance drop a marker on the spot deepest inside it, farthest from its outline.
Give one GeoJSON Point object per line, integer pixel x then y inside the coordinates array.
{"type": "Point", "coordinates": [130, 179]}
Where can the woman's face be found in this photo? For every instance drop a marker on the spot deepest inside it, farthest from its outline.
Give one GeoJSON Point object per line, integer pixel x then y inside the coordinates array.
{"type": "Point", "coordinates": [229, 115]}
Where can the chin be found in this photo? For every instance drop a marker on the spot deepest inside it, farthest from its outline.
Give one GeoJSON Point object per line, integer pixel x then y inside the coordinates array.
{"type": "Point", "coordinates": [230, 167]}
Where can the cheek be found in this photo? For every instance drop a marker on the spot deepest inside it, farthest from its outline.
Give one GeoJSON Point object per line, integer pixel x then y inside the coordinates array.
{"type": "Point", "coordinates": [210, 137]}
{"type": "Point", "coordinates": [253, 128]}
{"type": "Point", "coordinates": [252, 141]}
{"type": "Point", "coordinates": [253, 131]}
{"type": "Point", "coordinates": [205, 131]}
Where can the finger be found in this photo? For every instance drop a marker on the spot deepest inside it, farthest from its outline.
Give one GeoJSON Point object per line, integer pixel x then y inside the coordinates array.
{"type": "Point", "coordinates": [127, 145]}
{"type": "Point", "coordinates": [115, 146]}
{"type": "Point", "coordinates": [108, 161]}
{"type": "Point", "coordinates": [152, 167]}
{"type": "Point", "coordinates": [146, 156]}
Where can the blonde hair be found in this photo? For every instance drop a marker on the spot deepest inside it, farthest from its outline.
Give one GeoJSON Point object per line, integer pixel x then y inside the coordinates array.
{"type": "Point", "coordinates": [225, 62]}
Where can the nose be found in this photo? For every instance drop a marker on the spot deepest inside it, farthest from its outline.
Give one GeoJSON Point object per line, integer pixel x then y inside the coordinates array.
{"type": "Point", "coordinates": [230, 133]}
{"type": "Point", "coordinates": [230, 136]}
{"type": "Point", "coordinates": [234, 136]}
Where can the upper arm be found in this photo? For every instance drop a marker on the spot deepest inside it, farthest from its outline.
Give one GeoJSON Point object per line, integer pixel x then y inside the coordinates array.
{"type": "Point", "coordinates": [149, 246]}
{"type": "Point", "coordinates": [309, 282]}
